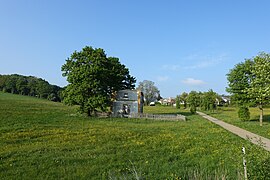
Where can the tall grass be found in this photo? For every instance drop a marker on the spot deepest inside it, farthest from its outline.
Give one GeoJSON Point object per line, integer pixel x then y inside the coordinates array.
{"type": "Point", "coordinates": [40, 139]}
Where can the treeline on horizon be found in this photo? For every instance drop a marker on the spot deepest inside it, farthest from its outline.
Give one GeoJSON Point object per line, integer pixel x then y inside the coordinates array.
{"type": "Point", "coordinates": [30, 86]}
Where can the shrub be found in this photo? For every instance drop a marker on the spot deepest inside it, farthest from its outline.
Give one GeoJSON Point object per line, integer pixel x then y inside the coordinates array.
{"type": "Point", "coordinates": [177, 105]}
{"type": "Point", "coordinates": [243, 113]}
{"type": "Point", "coordinates": [177, 102]}
{"type": "Point", "coordinates": [193, 109]}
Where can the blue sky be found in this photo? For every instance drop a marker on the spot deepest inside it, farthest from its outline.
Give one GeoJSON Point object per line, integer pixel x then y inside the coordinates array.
{"type": "Point", "coordinates": [180, 45]}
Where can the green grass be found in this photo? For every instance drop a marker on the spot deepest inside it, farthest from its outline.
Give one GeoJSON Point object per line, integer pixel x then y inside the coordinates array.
{"type": "Point", "coordinates": [161, 110]}
{"type": "Point", "coordinates": [229, 114]}
{"type": "Point", "coordinates": [40, 139]}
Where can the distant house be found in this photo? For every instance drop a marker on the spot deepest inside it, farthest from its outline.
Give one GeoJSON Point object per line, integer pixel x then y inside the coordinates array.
{"type": "Point", "coordinates": [225, 100]}
{"type": "Point", "coordinates": [167, 101]}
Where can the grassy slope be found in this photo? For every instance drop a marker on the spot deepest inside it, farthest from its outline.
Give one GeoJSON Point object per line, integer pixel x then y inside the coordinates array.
{"type": "Point", "coordinates": [229, 114]}
{"type": "Point", "coordinates": [41, 139]}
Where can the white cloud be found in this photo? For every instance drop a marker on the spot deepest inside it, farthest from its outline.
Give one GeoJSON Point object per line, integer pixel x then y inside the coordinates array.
{"type": "Point", "coordinates": [162, 78]}
{"type": "Point", "coordinates": [205, 61]}
{"type": "Point", "coordinates": [196, 61]}
{"type": "Point", "coordinates": [193, 82]}
{"type": "Point", "coordinates": [171, 67]}
{"type": "Point", "coordinates": [201, 65]}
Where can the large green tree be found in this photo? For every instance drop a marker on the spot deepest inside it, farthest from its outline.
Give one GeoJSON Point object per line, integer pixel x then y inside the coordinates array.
{"type": "Point", "coordinates": [249, 82]}
{"type": "Point", "coordinates": [259, 89]}
{"type": "Point", "coordinates": [239, 79]}
{"type": "Point", "coordinates": [93, 78]}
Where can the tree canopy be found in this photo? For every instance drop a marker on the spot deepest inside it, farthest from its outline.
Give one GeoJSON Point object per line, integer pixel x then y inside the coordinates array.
{"type": "Point", "coordinates": [205, 100]}
{"type": "Point", "coordinates": [30, 86]}
{"type": "Point", "coordinates": [239, 79]}
{"type": "Point", "coordinates": [249, 82]}
{"type": "Point", "coordinates": [209, 100]}
{"type": "Point", "coordinates": [93, 79]}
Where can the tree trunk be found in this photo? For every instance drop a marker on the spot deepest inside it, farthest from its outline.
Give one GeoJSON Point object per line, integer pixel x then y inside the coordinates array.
{"type": "Point", "coordinates": [95, 113]}
{"type": "Point", "coordinates": [261, 115]}
{"type": "Point", "coordinates": [88, 112]}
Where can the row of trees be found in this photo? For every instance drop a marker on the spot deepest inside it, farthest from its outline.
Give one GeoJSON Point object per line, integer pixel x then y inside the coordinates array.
{"type": "Point", "coordinates": [249, 83]}
{"type": "Point", "coordinates": [206, 101]}
{"type": "Point", "coordinates": [30, 86]}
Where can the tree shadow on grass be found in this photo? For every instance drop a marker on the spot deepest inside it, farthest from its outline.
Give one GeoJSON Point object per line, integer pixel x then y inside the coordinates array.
{"type": "Point", "coordinates": [180, 113]}
{"type": "Point", "coordinates": [225, 109]}
{"type": "Point", "coordinates": [187, 113]}
{"type": "Point", "coordinates": [266, 118]}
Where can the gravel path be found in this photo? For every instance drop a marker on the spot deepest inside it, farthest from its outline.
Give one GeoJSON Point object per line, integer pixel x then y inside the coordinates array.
{"type": "Point", "coordinates": [254, 138]}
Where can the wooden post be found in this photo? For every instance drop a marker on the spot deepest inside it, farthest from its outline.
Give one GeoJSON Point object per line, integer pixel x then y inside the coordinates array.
{"type": "Point", "coordinates": [244, 163]}
{"type": "Point", "coordinates": [140, 102]}
{"type": "Point", "coordinates": [261, 115]}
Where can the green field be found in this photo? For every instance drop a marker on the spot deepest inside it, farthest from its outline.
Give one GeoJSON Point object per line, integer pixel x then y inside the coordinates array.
{"type": "Point", "coordinates": [229, 114]}
{"type": "Point", "coordinates": [40, 139]}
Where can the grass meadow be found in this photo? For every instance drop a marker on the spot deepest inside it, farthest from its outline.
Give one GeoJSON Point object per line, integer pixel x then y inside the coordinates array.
{"type": "Point", "coordinates": [40, 139]}
{"type": "Point", "coordinates": [229, 114]}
